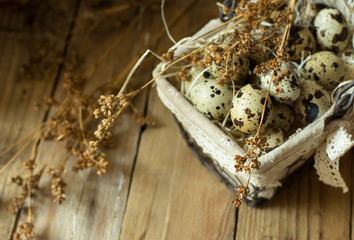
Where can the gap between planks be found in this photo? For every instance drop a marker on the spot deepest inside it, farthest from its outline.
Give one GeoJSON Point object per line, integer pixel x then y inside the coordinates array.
{"type": "Point", "coordinates": [18, 104]}
{"type": "Point", "coordinates": [97, 191]}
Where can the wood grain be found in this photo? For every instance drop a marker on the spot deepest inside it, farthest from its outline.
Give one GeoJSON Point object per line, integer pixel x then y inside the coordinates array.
{"type": "Point", "coordinates": [307, 209]}
{"type": "Point", "coordinates": [17, 96]}
{"type": "Point", "coordinates": [156, 188]}
{"type": "Point", "coordinates": [171, 196]}
{"type": "Point", "coordinates": [93, 200]}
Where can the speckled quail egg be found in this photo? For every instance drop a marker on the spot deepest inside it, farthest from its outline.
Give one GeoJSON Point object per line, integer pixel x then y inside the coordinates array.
{"type": "Point", "coordinates": [186, 85]}
{"type": "Point", "coordinates": [211, 99]}
{"type": "Point", "coordinates": [241, 66]}
{"type": "Point", "coordinates": [247, 108]}
{"type": "Point", "coordinates": [325, 68]}
{"type": "Point", "coordinates": [238, 65]}
{"type": "Point", "coordinates": [313, 102]}
{"type": "Point", "coordinates": [300, 40]}
{"type": "Point", "coordinates": [196, 75]}
{"type": "Point", "coordinates": [256, 56]}
{"type": "Point", "coordinates": [283, 116]}
{"type": "Point", "coordinates": [331, 29]}
{"type": "Point", "coordinates": [259, 54]}
{"type": "Point", "coordinates": [274, 137]}
{"type": "Point", "coordinates": [287, 89]}
{"type": "Point", "coordinates": [309, 11]}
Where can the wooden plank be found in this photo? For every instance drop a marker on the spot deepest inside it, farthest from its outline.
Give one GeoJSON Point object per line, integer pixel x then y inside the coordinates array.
{"type": "Point", "coordinates": [352, 198]}
{"type": "Point", "coordinates": [307, 209]}
{"type": "Point", "coordinates": [335, 222]}
{"type": "Point", "coordinates": [18, 39]}
{"type": "Point", "coordinates": [172, 195]}
{"type": "Point", "coordinates": [93, 200]}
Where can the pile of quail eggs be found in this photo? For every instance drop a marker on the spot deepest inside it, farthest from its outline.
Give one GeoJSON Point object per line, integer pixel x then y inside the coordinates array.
{"type": "Point", "coordinates": [305, 94]}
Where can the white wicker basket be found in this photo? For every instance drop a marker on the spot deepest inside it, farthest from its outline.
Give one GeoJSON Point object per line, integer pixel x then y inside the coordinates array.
{"type": "Point", "coordinates": [278, 165]}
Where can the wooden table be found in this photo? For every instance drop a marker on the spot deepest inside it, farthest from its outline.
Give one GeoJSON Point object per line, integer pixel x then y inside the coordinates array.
{"type": "Point", "coordinates": [156, 188]}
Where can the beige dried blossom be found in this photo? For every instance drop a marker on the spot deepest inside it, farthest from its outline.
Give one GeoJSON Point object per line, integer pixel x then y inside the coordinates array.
{"type": "Point", "coordinates": [25, 231]}
{"type": "Point", "coordinates": [29, 184]}
{"type": "Point", "coordinates": [168, 57]}
{"type": "Point", "coordinates": [57, 184]}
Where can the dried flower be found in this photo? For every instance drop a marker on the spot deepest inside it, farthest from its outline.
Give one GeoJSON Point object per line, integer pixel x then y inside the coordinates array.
{"type": "Point", "coordinates": [24, 232]}
{"type": "Point", "coordinates": [57, 184]}
{"type": "Point", "coordinates": [168, 57]}
{"type": "Point", "coordinates": [183, 74]}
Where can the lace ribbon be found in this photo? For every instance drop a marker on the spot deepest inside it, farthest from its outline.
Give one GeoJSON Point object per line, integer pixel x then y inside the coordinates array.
{"type": "Point", "coordinates": [339, 141]}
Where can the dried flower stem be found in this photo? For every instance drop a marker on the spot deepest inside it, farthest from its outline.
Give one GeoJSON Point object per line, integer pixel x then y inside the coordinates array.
{"type": "Point", "coordinates": [257, 141]}
{"type": "Point", "coordinates": [29, 217]}
{"type": "Point", "coordinates": [172, 64]}
{"type": "Point", "coordinates": [116, 79]}
{"type": "Point", "coordinates": [288, 26]}
{"type": "Point", "coordinates": [164, 21]}
{"type": "Point", "coordinates": [82, 126]}
{"type": "Point", "coordinates": [21, 140]}
{"type": "Point", "coordinates": [14, 157]}
{"type": "Point", "coordinates": [265, 105]}
{"type": "Point", "coordinates": [285, 36]}
{"type": "Point", "coordinates": [221, 25]}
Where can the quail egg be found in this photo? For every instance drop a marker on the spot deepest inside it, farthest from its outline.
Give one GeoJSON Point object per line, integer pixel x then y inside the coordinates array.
{"type": "Point", "coordinates": [212, 100]}
{"type": "Point", "coordinates": [309, 11]}
{"type": "Point", "coordinates": [300, 40]}
{"type": "Point", "coordinates": [274, 137]}
{"type": "Point", "coordinates": [195, 76]}
{"type": "Point", "coordinates": [325, 68]}
{"type": "Point", "coordinates": [284, 90]}
{"type": "Point", "coordinates": [239, 65]}
{"type": "Point", "coordinates": [247, 108]}
{"type": "Point", "coordinates": [283, 116]}
{"type": "Point", "coordinates": [331, 29]}
{"type": "Point", "coordinates": [313, 102]}
{"type": "Point", "coordinates": [258, 56]}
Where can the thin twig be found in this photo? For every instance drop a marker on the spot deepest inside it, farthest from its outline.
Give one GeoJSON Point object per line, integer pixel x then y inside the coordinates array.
{"type": "Point", "coordinates": [14, 157]}
{"type": "Point", "coordinates": [18, 142]}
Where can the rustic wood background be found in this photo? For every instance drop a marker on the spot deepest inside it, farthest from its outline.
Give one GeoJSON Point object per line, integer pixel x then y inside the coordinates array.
{"type": "Point", "coordinates": [156, 188]}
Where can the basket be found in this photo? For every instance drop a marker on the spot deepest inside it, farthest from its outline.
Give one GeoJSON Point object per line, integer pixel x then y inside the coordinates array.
{"type": "Point", "coordinates": [280, 166]}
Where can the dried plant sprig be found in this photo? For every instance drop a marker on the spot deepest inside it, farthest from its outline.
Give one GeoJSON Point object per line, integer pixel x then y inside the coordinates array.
{"type": "Point", "coordinates": [251, 15]}
{"type": "Point", "coordinates": [111, 107]}
{"type": "Point", "coordinates": [57, 184]}
{"type": "Point", "coordinates": [258, 142]}
{"type": "Point", "coordinates": [168, 57]}
{"type": "Point", "coordinates": [72, 119]}
{"type": "Point", "coordinates": [242, 192]}
{"type": "Point", "coordinates": [28, 183]}
{"type": "Point", "coordinates": [25, 231]}
{"type": "Point", "coordinates": [244, 42]}
{"type": "Point", "coordinates": [29, 186]}
{"type": "Point", "coordinates": [72, 122]}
